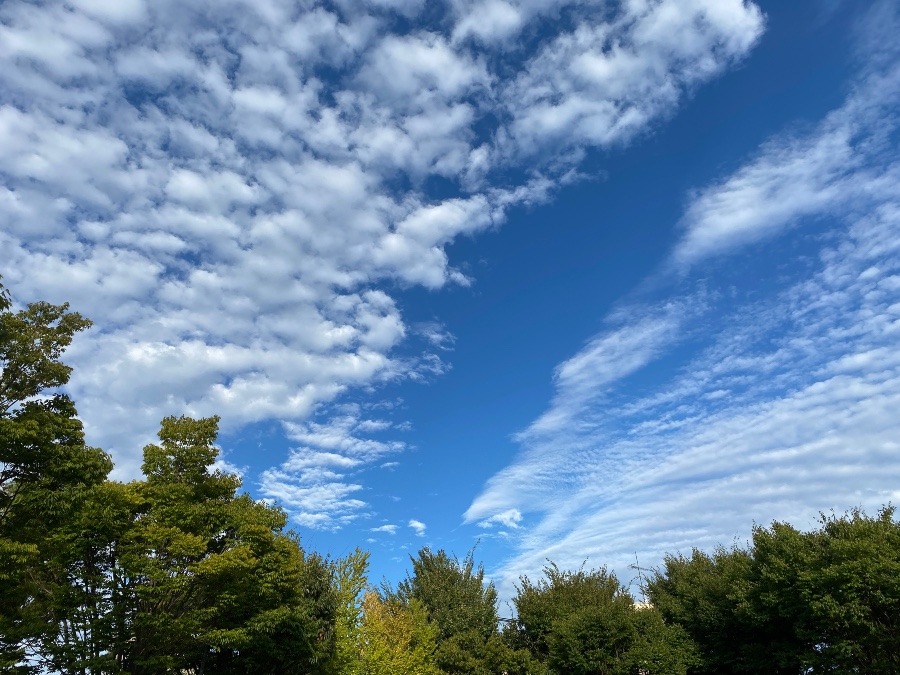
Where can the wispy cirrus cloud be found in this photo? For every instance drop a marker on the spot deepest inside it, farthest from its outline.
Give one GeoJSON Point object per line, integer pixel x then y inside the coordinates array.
{"type": "Point", "coordinates": [318, 484]}
{"type": "Point", "coordinates": [840, 165]}
{"type": "Point", "coordinates": [231, 190]}
{"type": "Point", "coordinates": [777, 406]}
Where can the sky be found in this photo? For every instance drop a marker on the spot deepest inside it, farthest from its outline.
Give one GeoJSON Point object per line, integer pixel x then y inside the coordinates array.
{"type": "Point", "coordinates": [589, 282]}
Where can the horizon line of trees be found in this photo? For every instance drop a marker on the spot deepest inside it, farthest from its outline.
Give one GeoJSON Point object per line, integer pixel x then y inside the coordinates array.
{"type": "Point", "coordinates": [179, 573]}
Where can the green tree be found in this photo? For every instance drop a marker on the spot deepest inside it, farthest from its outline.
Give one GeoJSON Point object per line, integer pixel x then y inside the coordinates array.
{"type": "Point", "coordinates": [838, 588]}
{"type": "Point", "coordinates": [46, 470]}
{"type": "Point", "coordinates": [179, 573]}
{"type": "Point", "coordinates": [823, 601]}
{"type": "Point", "coordinates": [349, 582]}
{"type": "Point", "coordinates": [658, 646]}
{"type": "Point", "coordinates": [462, 606]}
{"type": "Point", "coordinates": [173, 573]}
{"type": "Point", "coordinates": [213, 581]}
{"type": "Point", "coordinates": [711, 597]}
{"type": "Point", "coordinates": [85, 627]}
{"type": "Point", "coordinates": [586, 623]}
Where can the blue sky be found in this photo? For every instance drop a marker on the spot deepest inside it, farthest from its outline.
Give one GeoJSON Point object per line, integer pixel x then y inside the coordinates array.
{"type": "Point", "coordinates": [568, 280]}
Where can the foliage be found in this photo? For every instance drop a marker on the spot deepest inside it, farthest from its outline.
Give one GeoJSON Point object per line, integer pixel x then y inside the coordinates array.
{"type": "Point", "coordinates": [814, 602]}
{"type": "Point", "coordinates": [710, 596]}
{"type": "Point", "coordinates": [46, 470]}
{"type": "Point", "coordinates": [462, 607]}
{"type": "Point", "coordinates": [348, 578]}
{"type": "Point", "coordinates": [397, 638]}
{"type": "Point", "coordinates": [454, 593]}
{"type": "Point", "coordinates": [838, 588]}
{"type": "Point", "coordinates": [586, 623]}
{"type": "Point", "coordinates": [214, 583]}
{"type": "Point", "coordinates": [180, 572]}
{"type": "Point", "coordinates": [41, 439]}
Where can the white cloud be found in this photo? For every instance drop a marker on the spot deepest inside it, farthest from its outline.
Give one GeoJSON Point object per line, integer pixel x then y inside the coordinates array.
{"type": "Point", "coordinates": [750, 430]}
{"type": "Point", "coordinates": [230, 190]}
{"type": "Point", "coordinates": [418, 527]}
{"type": "Point", "coordinates": [119, 12]}
{"type": "Point", "coordinates": [322, 505]}
{"type": "Point", "coordinates": [509, 518]}
{"type": "Point", "coordinates": [793, 178]}
{"type": "Point", "coordinates": [387, 529]}
{"type": "Point", "coordinates": [224, 466]}
{"type": "Point", "coordinates": [328, 454]}
{"type": "Point", "coordinates": [489, 20]}
{"type": "Point", "coordinates": [604, 82]}
{"type": "Point", "coordinates": [409, 70]}
{"type": "Point", "coordinates": [607, 358]}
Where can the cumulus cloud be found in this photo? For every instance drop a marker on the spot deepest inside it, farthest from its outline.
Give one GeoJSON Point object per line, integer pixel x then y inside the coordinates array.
{"type": "Point", "coordinates": [418, 527]}
{"type": "Point", "coordinates": [778, 406]}
{"type": "Point", "coordinates": [231, 190]}
{"type": "Point", "coordinates": [387, 529]}
{"type": "Point", "coordinates": [602, 83]}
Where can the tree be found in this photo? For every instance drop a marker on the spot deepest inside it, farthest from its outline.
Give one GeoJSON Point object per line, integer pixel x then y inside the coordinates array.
{"type": "Point", "coordinates": [173, 573]}
{"type": "Point", "coordinates": [46, 470]}
{"type": "Point", "coordinates": [349, 582]}
{"type": "Point", "coordinates": [179, 573]}
{"type": "Point", "coordinates": [823, 601]}
{"type": "Point", "coordinates": [586, 623]}
{"type": "Point", "coordinates": [838, 588]}
{"type": "Point", "coordinates": [41, 438]}
{"type": "Point", "coordinates": [396, 638]}
{"type": "Point", "coordinates": [214, 582]}
{"type": "Point", "coordinates": [462, 607]}
{"type": "Point", "coordinates": [659, 646]}
{"type": "Point", "coordinates": [711, 597]}
{"type": "Point", "coordinates": [86, 625]}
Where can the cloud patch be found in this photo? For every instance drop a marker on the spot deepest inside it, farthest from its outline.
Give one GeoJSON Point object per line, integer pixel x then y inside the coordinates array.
{"type": "Point", "coordinates": [386, 529]}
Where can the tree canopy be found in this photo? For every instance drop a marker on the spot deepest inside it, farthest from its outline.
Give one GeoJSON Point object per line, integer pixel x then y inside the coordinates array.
{"type": "Point", "coordinates": [822, 601]}
{"type": "Point", "coordinates": [587, 623]}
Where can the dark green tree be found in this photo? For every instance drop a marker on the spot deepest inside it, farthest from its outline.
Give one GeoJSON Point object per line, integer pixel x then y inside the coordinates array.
{"type": "Point", "coordinates": [711, 597]}
{"type": "Point", "coordinates": [179, 573]}
{"type": "Point", "coordinates": [86, 625]}
{"type": "Point", "coordinates": [825, 601]}
{"type": "Point", "coordinates": [46, 470]}
{"type": "Point", "coordinates": [838, 587]}
{"type": "Point", "coordinates": [214, 582]}
{"type": "Point", "coordinates": [586, 623]}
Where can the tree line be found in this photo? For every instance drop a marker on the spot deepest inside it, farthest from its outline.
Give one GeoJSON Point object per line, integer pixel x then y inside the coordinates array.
{"type": "Point", "coordinates": [178, 572]}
